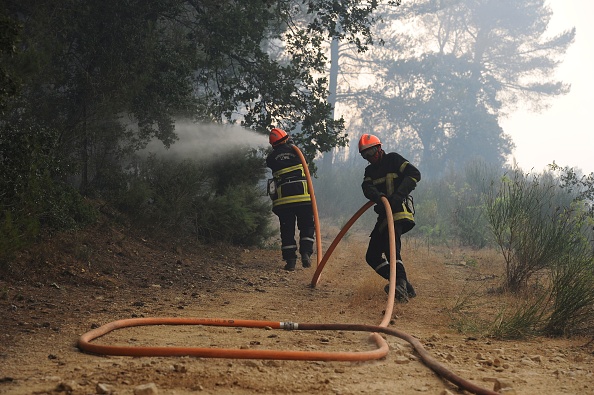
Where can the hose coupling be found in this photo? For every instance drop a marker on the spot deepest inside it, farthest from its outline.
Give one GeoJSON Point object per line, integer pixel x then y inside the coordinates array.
{"type": "Point", "coordinates": [289, 325]}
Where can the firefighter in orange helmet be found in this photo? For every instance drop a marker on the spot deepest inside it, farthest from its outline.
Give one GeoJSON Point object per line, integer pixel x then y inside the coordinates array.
{"type": "Point", "coordinates": [392, 176]}
{"type": "Point", "coordinates": [291, 200]}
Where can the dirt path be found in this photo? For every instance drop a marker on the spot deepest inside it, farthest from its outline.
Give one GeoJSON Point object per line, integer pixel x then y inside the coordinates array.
{"type": "Point", "coordinates": [43, 317]}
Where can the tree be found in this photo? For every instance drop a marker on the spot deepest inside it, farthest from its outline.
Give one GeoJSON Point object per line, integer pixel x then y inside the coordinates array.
{"type": "Point", "coordinates": [442, 126]}
{"type": "Point", "coordinates": [463, 67]}
{"type": "Point", "coordinates": [508, 48]}
{"type": "Point", "coordinates": [9, 30]}
{"type": "Point", "coordinates": [92, 64]}
{"type": "Point", "coordinates": [99, 80]}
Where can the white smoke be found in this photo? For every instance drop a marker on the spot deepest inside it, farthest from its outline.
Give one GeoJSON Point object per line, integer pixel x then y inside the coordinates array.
{"type": "Point", "coordinates": [206, 141]}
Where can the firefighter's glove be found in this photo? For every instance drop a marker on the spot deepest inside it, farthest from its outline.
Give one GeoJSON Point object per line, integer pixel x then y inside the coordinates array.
{"type": "Point", "coordinates": [407, 185]}
{"type": "Point", "coordinates": [378, 198]}
{"type": "Point", "coordinates": [379, 205]}
{"type": "Point", "coordinates": [396, 199]}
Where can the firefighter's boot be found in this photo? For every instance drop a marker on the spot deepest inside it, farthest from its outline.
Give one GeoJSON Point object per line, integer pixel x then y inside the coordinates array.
{"type": "Point", "coordinates": [306, 260]}
{"type": "Point", "coordinates": [290, 266]}
{"type": "Point", "coordinates": [410, 290]}
{"type": "Point", "coordinates": [401, 293]}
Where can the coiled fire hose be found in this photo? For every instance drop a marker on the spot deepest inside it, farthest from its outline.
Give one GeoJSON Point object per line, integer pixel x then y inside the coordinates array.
{"type": "Point", "coordinates": [84, 342]}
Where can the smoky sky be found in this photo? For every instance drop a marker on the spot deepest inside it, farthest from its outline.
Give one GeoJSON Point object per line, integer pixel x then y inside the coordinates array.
{"type": "Point", "coordinates": [206, 141]}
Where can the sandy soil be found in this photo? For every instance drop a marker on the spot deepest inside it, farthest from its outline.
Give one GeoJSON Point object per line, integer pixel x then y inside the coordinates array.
{"type": "Point", "coordinates": [93, 277]}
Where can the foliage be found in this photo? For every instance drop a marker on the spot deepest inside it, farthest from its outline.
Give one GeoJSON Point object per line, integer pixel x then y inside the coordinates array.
{"type": "Point", "coordinates": [106, 60]}
{"type": "Point", "coordinates": [215, 201]}
{"type": "Point", "coordinates": [503, 42]}
{"type": "Point", "coordinates": [540, 228]}
{"type": "Point", "coordinates": [452, 209]}
{"type": "Point", "coordinates": [102, 79]}
{"type": "Point", "coordinates": [240, 216]}
{"type": "Point", "coordinates": [524, 320]}
{"type": "Point", "coordinates": [572, 292]}
{"type": "Point", "coordinates": [31, 195]}
{"type": "Point", "coordinates": [528, 225]}
{"type": "Point", "coordinates": [444, 79]}
{"type": "Point", "coordinates": [463, 312]}
{"type": "Point", "coordinates": [9, 30]}
{"type": "Point", "coordinates": [581, 186]}
{"type": "Point", "coordinates": [561, 306]}
{"type": "Point", "coordinates": [432, 104]}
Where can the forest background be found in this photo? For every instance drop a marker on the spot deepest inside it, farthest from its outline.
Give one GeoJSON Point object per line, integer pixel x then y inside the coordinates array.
{"type": "Point", "coordinates": [89, 93]}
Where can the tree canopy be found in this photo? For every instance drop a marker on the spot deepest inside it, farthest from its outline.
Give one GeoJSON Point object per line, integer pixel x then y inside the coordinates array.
{"type": "Point", "coordinates": [115, 74]}
{"type": "Point", "coordinates": [449, 72]}
{"type": "Point", "coordinates": [84, 85]}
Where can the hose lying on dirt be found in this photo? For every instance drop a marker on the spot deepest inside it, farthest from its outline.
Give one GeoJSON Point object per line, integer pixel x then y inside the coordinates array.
{"type": "Point", "coordinates": [84, 342]}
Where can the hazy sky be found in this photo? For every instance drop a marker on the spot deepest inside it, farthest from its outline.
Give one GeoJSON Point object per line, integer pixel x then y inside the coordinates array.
{"type": "Point", "coordinates": [564, 132]}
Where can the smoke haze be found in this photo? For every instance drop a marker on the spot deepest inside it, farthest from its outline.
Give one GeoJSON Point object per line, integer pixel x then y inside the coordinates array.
{"type": "Point", "coordinates": [206, 141]}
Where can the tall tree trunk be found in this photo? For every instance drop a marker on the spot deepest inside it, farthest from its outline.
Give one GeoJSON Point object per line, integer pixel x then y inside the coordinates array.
{"type": "Point", "coordinates": [84, 151]}
{"type": "Point", "coordinates": [333, 83]}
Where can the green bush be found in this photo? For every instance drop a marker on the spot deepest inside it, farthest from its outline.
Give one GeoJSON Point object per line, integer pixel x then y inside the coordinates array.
{"type": "Point", "coordinates": [524, 320]}
{"type": "Point", "coordinates": [240, 216]}
{"type": "Point", "coordinates": [452, 209]}
{"type": "Point", "coordinates": [572, 291]}
{"type": "Point", "coordinates": [15, 234]}
{"type": "Point", "coordinates": [541, 227]}
{"type": "Point", "coordinates": [469, 220]}
{"type": "Point", "coordinates": [528, 225]}
{"type": "Point", "coordinates": [33, 193]}
{"type": "Point", "coordinates": [220, 200]}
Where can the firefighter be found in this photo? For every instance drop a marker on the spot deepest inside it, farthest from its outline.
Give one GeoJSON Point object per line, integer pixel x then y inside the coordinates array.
{"type": "Point", "coordinates": [291, 200]}
{"type": "Point", "coordinates": [392, 176]}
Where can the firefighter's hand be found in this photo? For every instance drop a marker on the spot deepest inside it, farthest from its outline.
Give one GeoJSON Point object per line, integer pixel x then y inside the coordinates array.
{"type": "Point", "coordinates": [396, 199]}
{"type": "Point", "coordinates": [378, 199]}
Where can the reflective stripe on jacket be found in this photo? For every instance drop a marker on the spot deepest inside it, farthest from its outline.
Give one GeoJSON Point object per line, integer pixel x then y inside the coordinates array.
{"type": "Point", "coordinates": [289, 177]}
{"type": "Point", "coordinates": [386, 177]}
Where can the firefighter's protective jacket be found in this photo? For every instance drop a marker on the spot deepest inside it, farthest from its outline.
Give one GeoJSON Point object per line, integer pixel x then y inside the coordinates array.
{"type": "Point", "coordinates": [392, 176]}
{"type": "Point", "coordinates": [289, 182]}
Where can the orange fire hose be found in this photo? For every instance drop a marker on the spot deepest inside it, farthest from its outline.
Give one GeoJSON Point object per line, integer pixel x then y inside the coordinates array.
{"type": "Point", "coordinates": [355, 217]}
{"type": "Point", "coordinates": [314, 204]}
{"type": "Point", "coordinates": [84, 342]}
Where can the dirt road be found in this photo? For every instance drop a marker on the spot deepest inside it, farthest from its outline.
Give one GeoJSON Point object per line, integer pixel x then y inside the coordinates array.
{"type": "Point", "coordinates": [96, 277]}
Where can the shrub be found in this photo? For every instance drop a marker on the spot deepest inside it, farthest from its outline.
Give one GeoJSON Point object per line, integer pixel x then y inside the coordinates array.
{"type": "Point", "coordinates": [240, 216]}
{"type": "Point", "coordinates": [524, 320]}
{"type": "Point", "coordinates": [220, 200]}
{"type": "Point", "coordinates": [527, 224]}
{"type": "Point", "coordinates": [33, 194]}
{"type": "Point", "coordinates": [572, 291]}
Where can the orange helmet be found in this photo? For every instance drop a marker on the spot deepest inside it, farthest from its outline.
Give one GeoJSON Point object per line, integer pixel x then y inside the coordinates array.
{"type": "Point", "coordinates": [368, 141]}
{"type": "Point", "coordinates": [277, 136]}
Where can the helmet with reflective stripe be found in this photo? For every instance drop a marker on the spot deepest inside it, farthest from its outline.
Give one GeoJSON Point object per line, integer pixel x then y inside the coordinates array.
{"type": "Point", "coordinates": [368, 141]}
{"type": "Point", "coordinates": [277, 136]}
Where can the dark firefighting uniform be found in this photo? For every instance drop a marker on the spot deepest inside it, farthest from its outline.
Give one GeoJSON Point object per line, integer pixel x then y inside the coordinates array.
{"type": "Point", "coordinates": [291, 200]}
{"type": "Point", "coordinates": [393, 177]}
